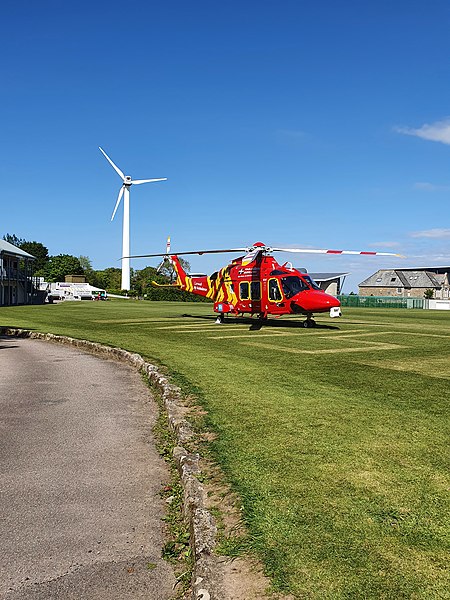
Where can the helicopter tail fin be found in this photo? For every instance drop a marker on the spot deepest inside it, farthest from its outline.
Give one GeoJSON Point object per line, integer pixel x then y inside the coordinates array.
{"type": "Point", "coordinates": [182, 276]}
{"type": "Point", "coordinates": [199, 285]}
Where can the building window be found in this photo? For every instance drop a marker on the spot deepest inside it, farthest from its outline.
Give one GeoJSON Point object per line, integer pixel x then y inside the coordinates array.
{"type": "Point", "coordinates": [399, 290]}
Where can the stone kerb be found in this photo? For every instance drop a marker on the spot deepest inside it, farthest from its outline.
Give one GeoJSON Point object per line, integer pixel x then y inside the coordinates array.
{"type": "Point", "coordinates": [206, 584]}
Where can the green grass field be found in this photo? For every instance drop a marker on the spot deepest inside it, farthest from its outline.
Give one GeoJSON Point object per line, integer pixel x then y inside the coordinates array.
{"type": "Point", "coordinates": [336, 438]}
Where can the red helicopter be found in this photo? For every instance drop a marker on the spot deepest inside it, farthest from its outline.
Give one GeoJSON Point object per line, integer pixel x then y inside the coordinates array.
{"type": "Point", "coordinates": [256, 283]}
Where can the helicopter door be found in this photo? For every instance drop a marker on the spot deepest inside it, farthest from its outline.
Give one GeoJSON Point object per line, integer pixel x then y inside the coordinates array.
{"type": "Point", "coordinates": [255, 296]}
{"type": "Point", "coordinates": [250, 296]}
{"type": "Point", "coordinates": [244, 296]}
{"type": "Point", "coordinates": [274, 291]}
{"type": "Point", "coordinates": [275, 304]}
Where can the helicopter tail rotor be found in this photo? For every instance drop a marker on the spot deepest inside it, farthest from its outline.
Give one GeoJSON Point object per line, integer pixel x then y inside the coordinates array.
{"type": "Point", "coordinates": [166, 258]}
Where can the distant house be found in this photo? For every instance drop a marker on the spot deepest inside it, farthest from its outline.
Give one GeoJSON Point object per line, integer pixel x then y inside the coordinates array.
{"type": "Point", "coordinates": [408, 283]}
{"type": "Point", "coordinates": [16, 271]}
{"type": "Point", "coordinates": [331, 283]}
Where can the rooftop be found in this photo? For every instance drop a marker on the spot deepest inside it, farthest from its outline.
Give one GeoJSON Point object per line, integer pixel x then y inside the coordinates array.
{"type": "Point", "coordinates": [7, 248]}
{"type": "Point", "coordinates": [326, 276]}
{"type": "Point", "coordinates": [406, 278]}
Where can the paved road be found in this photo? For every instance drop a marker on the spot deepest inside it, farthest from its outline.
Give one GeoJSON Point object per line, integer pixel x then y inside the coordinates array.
{"type": "Point", "coordinates": [80, 512]}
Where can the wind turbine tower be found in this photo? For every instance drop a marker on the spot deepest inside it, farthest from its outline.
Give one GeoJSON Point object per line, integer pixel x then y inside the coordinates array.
{"type": "Point", "coordinates": [124, 191]}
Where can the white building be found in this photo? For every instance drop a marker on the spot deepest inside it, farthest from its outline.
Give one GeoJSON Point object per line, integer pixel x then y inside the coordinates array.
{"type": "Point", "coordinates": [16, 276]}
{"type": "Point", "coordinates": [66, 290]}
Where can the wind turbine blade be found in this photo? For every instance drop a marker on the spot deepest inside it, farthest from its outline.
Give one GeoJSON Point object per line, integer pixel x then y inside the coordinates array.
{"type": "Point", "coordinates": [119, 198]}
{"type": "Point", "coordinates": [138, 181]}
{"type": "Point", "coordinates": [115, 167]}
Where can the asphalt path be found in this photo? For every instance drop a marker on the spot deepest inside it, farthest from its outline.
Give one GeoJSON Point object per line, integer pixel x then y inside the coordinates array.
{"type": "Point", "coordinates": [80, 509]}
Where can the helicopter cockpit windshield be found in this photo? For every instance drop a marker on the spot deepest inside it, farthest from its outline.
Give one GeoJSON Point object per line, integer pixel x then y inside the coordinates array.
{"type": "Point", "coordinates": [312, 283]}
{"type": "Point", "coordinates": [292, 285]}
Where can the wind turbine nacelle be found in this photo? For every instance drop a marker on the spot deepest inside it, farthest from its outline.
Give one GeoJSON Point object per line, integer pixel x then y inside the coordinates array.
{"type": "Point", "coordinates": [127, 180]}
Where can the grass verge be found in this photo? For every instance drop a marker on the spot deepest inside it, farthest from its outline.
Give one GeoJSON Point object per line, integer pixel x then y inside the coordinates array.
{"type": "Point", "coordinates": [336, 439]}
{"type": "Point", "coordinates": [176, 549]}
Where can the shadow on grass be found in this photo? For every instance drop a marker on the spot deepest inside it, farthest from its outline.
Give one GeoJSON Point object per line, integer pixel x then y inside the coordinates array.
{"type": "Point", "coordinates": [257, 324]}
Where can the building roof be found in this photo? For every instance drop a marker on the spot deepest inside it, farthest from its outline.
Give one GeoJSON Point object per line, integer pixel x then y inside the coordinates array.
{"type": "Point", "coordinates": [440, 278]}
{"type": "Point", "coordinates": [7, 248]}
{"type": "Point", "coordinates": [405, 278]}
{"type": "Point", "coordinates": [440, 269]}
{"type": "Point", "coordinates": [326, 276]}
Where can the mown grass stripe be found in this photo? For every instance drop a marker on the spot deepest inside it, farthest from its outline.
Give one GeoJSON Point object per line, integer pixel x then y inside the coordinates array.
{"type": "Point", "coordinates": [340, 462]}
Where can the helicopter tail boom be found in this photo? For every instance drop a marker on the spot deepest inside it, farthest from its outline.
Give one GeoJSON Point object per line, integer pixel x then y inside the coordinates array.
{"type": "Point", "coordinates": [217, 287]}
{"type": "Point", "coordinates": [195, 285]}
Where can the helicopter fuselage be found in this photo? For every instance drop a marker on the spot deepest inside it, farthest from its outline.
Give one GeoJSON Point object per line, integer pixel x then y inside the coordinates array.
{"type": "Point", "coordinates": [262, 287]}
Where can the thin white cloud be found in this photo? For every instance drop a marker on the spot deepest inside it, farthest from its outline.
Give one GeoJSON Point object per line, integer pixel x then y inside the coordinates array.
{"type": "Point", "coordinates": [425, 186]}
{"type": "Point", "coordinates": [295, 134]}
{"type": "Point", "coordinates": [437, 233]}
{"type": "Point", "coordinates": [385, 245]}
{"type": "Point", "coordinates": [436, 132]}
{"type": "Point", "coordinates": [423, 260]}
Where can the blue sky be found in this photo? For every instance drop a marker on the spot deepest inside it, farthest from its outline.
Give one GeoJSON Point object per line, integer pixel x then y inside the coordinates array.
{"type": "Point", "coordinates": [300, 124]}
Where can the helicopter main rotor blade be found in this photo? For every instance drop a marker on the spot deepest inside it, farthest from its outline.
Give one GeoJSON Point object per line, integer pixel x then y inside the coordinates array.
{"type": "Point", "coordinates": [321, 251]}
{"type": "Point", "coordinates": [115, 167]}
{"type": "Point", "coordinates": [251, 256]}
{"type": "Point", "coordinates": [139, 181]}
{"type": "Point", "coordinates": [119, 198]}
{"type": "Point", "coordinates": [199, 252]}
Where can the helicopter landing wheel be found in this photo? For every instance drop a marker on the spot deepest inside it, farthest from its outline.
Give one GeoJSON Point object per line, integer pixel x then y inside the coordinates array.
{"type": "Point", "coordinates": [309, 323]}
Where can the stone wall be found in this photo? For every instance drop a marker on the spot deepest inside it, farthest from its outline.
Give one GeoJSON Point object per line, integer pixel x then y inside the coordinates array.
{"type": "Point", "coordinates": [392, 291]}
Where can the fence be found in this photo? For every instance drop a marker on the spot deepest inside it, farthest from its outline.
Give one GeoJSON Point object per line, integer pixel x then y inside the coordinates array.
{"type": "Point", "coordinates": [381, 302]}
{"type": "Point", "coordinates": [437, 304]}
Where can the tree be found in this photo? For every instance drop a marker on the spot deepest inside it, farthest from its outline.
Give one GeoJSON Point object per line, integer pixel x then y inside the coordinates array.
{"type": "Point", "coordinates": [59, 266]}
{"type": "Point", "coordinates": [39, 251]}
{"type": "Point", "coordinates": [428, 294]}
{"type": "Point", "coordinates": [85, 262]}
{"type": "Point", "coordinates": [166, 268]}
{"type": "Point", "coordinates": [13, 239]}
{"type": "Point", "coordinates": [36, 249]}
{"type": "Point", "coordinates": [108, 279]}
{"type": "Point", "coordinates": [141, 284]}
{"type": "Point", "coordinates": [141, 280]}
{"type": "Point", "coordinates": [91, 275]}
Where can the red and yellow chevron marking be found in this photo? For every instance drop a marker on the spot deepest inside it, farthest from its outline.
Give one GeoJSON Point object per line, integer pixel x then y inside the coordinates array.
{"type": "Point", "coordinates": [217, 287]}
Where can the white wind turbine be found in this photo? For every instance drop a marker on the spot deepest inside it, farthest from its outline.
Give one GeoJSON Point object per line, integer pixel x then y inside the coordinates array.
{"type": "Point", "coordinates": [125, 192]}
